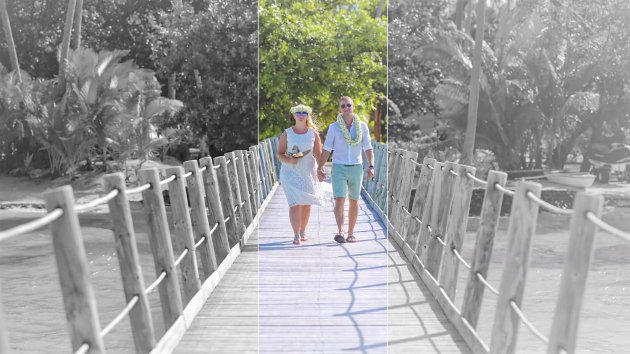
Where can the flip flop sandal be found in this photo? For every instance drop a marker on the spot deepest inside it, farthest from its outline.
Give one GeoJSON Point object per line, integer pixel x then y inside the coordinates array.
{"type": "Point", "coordinates": [303, 238]}
{"type": "Point", "coordinates": [339, 238]}
{"type": "Point", "coordinates": [351, 239]}
{"type": "Point", "coordinates": [296, 240]}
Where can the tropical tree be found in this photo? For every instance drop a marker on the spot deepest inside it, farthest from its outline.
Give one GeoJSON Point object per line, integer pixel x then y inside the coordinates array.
{"type": "Point", "coordinates": [213, 54]}
{"type": "Point", "coordinates": [314, 52]}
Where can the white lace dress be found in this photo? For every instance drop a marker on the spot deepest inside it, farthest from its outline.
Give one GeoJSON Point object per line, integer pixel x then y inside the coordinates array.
{"type": "Point", "coordinates": [299, 181]}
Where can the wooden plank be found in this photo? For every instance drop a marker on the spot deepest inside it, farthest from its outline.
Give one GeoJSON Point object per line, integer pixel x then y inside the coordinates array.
{"type": "Point", "coordinates": [455, 230]}
{"type": "Point", "coordinates": [264, 170]}
{"type": "Point", "coordinates": [380, 193]}
{"type": "Point", "coordinates": [395, 177]}
{"type": "Point", "coordinates": [4, 337]}
{"type": "Point", "coordinates": [378, 155]}
{"type": "Point", "coordinates": [161, 247]}
{"type": "Point", "coordinates": [227, 200]}
{"type": "Point", "coordinates": [484, 242]}
{"type": "Point", "coordinates": [576, 265]}
{"type": "Point", "coordinates": [199, 218]}
{"type": "Point", "coordinates": [236, 193]}
{"type": "Point", "coordinates": [74, 273]}
{"type": "Point", "coordinates": [183, 238]}
{"type": "Point", "coordinates": [442, 211]}
{"type": "Point", "coordinates": [523, 218]}
{"type": "Point", "coordinates": [216, 217]}
{"type": "Point", "coordinates": [129, 262]}
{"type": "Point", "coordinates": [421, 199]}
{"type": "Point", "coordinates": [244, 187]}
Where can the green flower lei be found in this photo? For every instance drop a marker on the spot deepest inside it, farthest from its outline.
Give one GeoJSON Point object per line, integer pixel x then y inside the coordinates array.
{"type": "Point", "coordinates": [346, 133]}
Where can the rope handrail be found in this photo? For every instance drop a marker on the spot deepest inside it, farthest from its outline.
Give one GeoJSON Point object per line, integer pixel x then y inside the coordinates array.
{"type": "Point", "coordinates": [418, 220]}
{"type": "Point", "coordinates": [486, 284]}
{"type": "Point", "coordinates": [459, 256]}
{"type": "Point", "coordinates": [83, 349]}
{"type": "Point", "coordinates": [476, 179]}
{"type": "Point", "coordinates": [228, 162]}
{"type": "Point", "coordinates": [226, 219]}
{"type": "Point", "coordinates": [188, 174]}
{"type": "Point", "coordinates": [440, 240]}
{"type": "Point", "coordinates": [31, 225]}
{"type": "Point", "coordinates": [134, 300]}
{"type": "Point", "coordinates": [453, 173]}
{"type": "Point", "coordinates": [547, 206]}
{"type": "Point", "coordinates": [526, 322]}
{"type": "Point", "coordinates": [168, 180]}
{"type": "Point", "coordinates": [503, 189]}
{"type": "Point", "coordinates": [607, 227]}
{"type": "Point", "coordinates": [203, 168]}
{"type": "Point", "coordinates": [216, 167]}
{"type": "Point", "coordinates": [181, 256]}
{"type": "Point", "coordinates": [139, 189]}
{"type": "Point", "coordinates": [96, 202]}
{"type": "Point", "coordinates": [157, 282]}
{"type": "Point", "coordinates": [201, 241]}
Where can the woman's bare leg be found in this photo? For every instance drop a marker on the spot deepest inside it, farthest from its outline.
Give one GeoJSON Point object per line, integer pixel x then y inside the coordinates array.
{"type": "Point", "coordinates": [306, 213]}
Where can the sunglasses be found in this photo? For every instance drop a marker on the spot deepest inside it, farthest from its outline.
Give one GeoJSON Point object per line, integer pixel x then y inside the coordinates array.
{"type": "Point", "coordinates": [346, 105]}
{"type": "Point", "coordinates": [301, 113]}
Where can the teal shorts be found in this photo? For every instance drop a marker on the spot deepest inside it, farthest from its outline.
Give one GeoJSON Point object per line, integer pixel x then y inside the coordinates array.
{"type": "Point", "coordinates": [346, 181]}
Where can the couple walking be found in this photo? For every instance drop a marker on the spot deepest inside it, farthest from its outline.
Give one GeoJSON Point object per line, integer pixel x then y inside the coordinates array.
{"type": "Point", "coordinates": [303, 158]}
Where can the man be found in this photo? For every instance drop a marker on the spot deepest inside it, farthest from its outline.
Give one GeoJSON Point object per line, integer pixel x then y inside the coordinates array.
{"type": "Point", "coordinates": [347, 137]}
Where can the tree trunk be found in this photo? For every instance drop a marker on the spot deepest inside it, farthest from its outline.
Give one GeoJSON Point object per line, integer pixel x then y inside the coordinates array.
{"type": "Point", "coordinates": [459, 13]}
{"type": "Point", "coordinates": [469, 14]}
{"type": "Point", "coordinates": [9, 38]}
{"type": "Point", "coordinates": [78, 15]}
{"type": "Point", "coordinates": [379, 9]}
{"type": "Point", "coordinates": [473, 103]}
{"type": "Point", "coordinates": [65, 46]}
{"type": "Point", "coordinates": [171, 86]}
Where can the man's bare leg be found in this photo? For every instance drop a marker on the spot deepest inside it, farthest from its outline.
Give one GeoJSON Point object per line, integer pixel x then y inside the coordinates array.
{"type": "Point", "coordinates": [353, 214]}
{"type": "Point", "coordinates": [339, 213]}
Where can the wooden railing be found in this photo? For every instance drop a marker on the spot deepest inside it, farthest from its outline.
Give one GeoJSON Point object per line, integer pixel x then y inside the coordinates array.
{"type": "Point", "coordinates": [431, 235]}
{"type": "Point", "coordinates": [226, 196]}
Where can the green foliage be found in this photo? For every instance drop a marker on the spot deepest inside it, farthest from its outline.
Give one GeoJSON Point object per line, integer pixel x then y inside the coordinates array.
{"type": "Point", "coordinates": [313, 52]}
{"type": "Point", "coordinates": [220, 44]}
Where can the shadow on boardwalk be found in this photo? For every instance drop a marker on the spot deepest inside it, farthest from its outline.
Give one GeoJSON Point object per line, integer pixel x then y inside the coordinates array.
{"type": "Point", "coordinates": [320, 296]}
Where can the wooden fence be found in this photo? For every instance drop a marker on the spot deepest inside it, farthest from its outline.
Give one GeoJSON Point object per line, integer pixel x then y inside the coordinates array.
{"type": "Point", "coordinates": [226, 196]}
{"type": "Point", "coordinates": [430, 223]}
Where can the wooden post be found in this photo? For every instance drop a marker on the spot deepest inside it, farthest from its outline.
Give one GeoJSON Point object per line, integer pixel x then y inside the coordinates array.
{"type": "Point", "coordinates": [4, 337]}
{"type": "Point", "coordinates": [407, 174]}
{"type": "Point", "coordinates": [434, 251]}
{"type": "Point", "coordinates": [274, 150]}
{"type": "Point", "coordinates": [264, 171]}
{"type": "Point", "coordinates": [183, 233]}
{"type": "Point", "coordinates": [236, 193]}
{"type": "Point", "coordinates": [427, 240]}
{"type": "Point", "coordinates": [484, 241]}
{"type": "Point", "coordinates": [250, 172]}
{"type": "Point", "coordinates": [381, 192]}
{"type": "Point", "coordinates": [220, 237]}
{"type": "Point", "coordinates": [160, 240]}
{"type": "Point", "coordinates": [378, 155]}
{"type": "Point", "coordinates": [420, 202]}
{"type": "Point", "coordinates": [522, 226]}
{"type": "Point", "coordinates": [226, 200]}
{"type": "Point", "coordinates": [73, 271]}
{"type": "Point", "coordinates": [256, 176]}
{"type": "Point", "coordinates": [269, 156]}
{"type": "Point", "coordinates": [455, 230]}
{"type": "Point", "coordinates": [129, 262]}
{"type": "Point", "coordinates": [395, 166]}
{"type": "Point", "coordinates": [199, 217]}
{"type": "Point", "coordinates": [244, 187]}
{"type": "Point", "coordinates": [576, 264]}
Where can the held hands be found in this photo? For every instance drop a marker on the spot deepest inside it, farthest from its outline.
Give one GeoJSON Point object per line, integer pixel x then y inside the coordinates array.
{"type": "Point", "coordinates": [321, 174]}
{"type": "Point", "coordinates": [291, 160]}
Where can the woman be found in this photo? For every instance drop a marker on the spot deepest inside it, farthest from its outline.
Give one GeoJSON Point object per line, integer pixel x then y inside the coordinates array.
{"type": "Point", "coordinates": [299, 150]}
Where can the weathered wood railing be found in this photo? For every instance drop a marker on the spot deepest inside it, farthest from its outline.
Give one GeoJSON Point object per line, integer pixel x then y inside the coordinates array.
{"type": "Point", "coordinates": [375, 189]}
{"type": "Point", "coordinates": [225, 198]}
{"type": "Point", "coordinates": [431, 235]}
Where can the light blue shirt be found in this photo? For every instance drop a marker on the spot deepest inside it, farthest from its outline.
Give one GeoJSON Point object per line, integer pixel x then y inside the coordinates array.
{"type": "Point", "coordinates": [343, 153]}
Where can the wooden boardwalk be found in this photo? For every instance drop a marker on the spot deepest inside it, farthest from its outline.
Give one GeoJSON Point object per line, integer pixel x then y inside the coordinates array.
{"type": "Point", "coordinates": [320, 297]}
